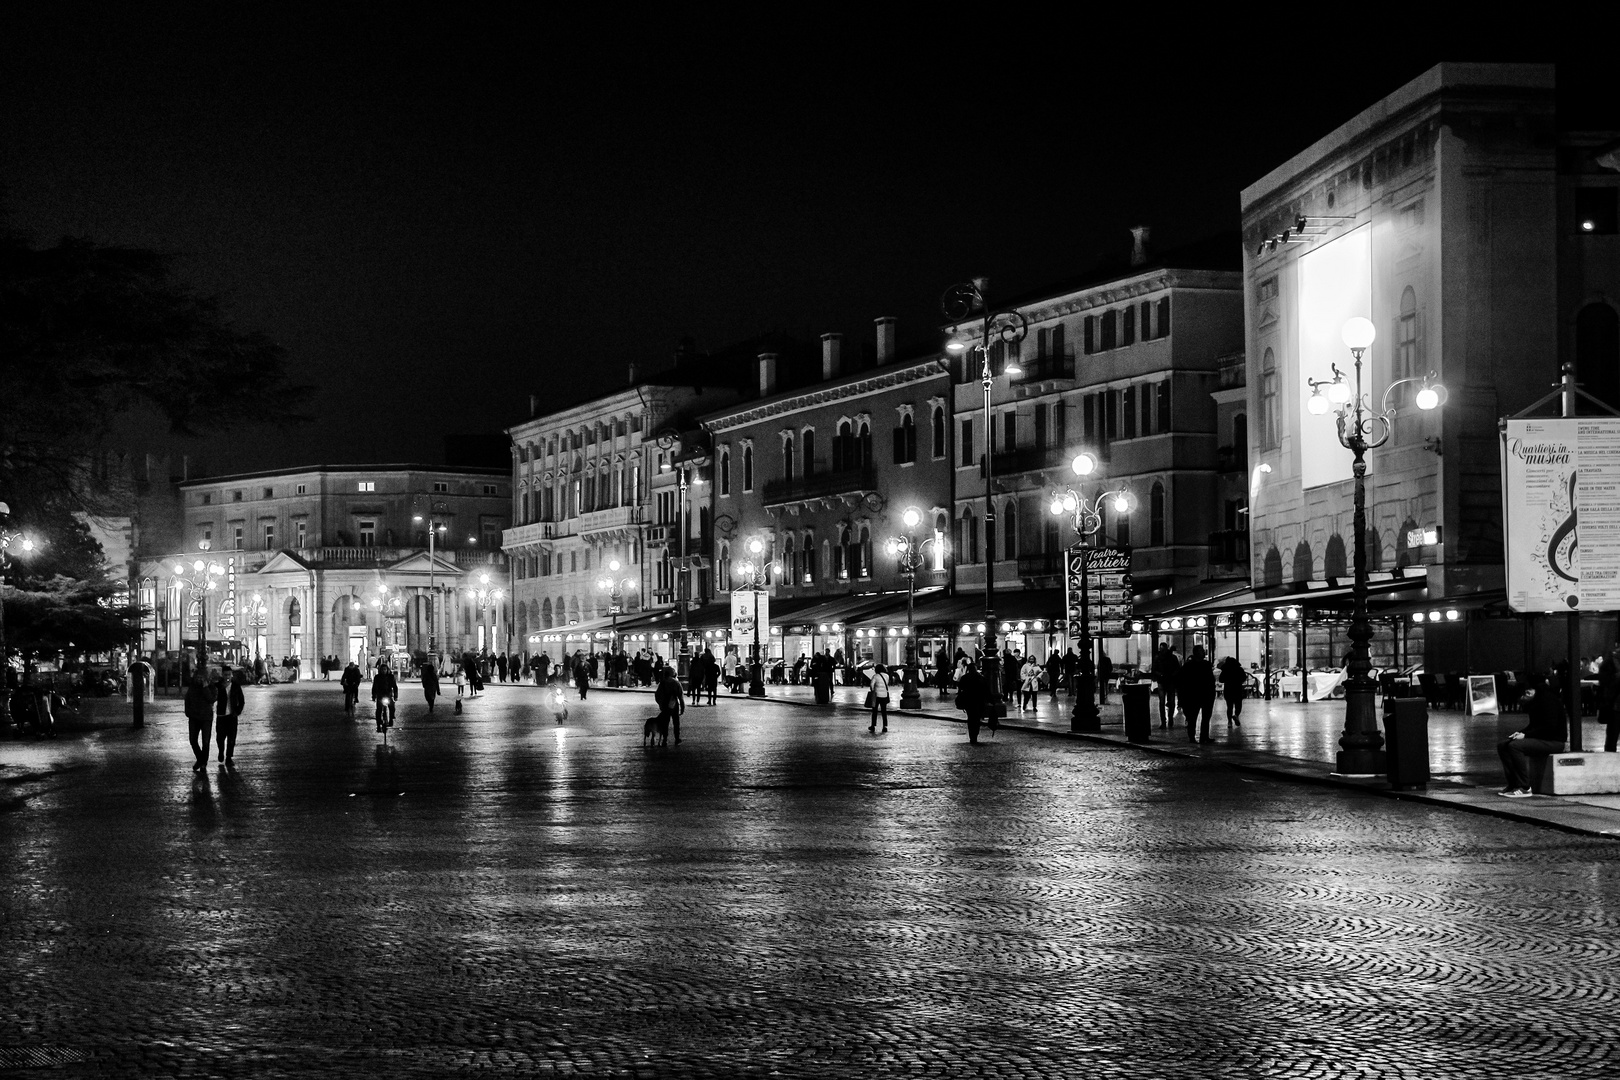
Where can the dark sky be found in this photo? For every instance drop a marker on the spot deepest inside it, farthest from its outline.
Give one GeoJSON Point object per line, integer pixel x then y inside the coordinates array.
{"type": "Point", "coordinates": [437, 215]}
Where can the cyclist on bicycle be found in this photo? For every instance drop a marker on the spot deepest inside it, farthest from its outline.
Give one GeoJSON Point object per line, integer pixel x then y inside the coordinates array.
{"type": "Point", "coordinates": [350, 681]}
{"type": "Point", "coordinates": [385, 692]}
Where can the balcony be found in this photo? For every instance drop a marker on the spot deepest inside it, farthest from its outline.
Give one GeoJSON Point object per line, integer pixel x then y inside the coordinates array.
{"type": "Point", "coordinates": [1041, 564]}
{"type": "Point", "coordinates": [1040, 368]}
{"type": "Point", "coordinates": [529, 534]}
{"type": "Point", "coordinates": [1029, 459]}
{"type": "Point", "coordinates": [619, 519]}
{"type": "Point", "coordinates": [1231, 372]}
{"type": "Point", "coordinates": [828, 485]}
{"type": "Point", "coordinates": [384, 556]}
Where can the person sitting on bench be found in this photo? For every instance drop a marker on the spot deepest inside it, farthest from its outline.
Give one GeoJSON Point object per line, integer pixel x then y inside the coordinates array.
{"type": "Point", "coordinates": [1545, 733]}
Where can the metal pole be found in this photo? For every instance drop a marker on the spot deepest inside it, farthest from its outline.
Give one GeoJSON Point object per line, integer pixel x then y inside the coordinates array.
{"type": "Point", "coordinates": [756, 688]}
{"type": "Point", "coordinates": [910, 695]}
{"type": "Point", "coordinates": [995, 706]}
{"type": "Point", "coordinates": [1361, 752]}
{"type": "Point", "coordinates": [1572, 645]}
{"type": "Point", "coordinates": [1085, 716]}
{"type": "Point", "coordinates": [684, 660]}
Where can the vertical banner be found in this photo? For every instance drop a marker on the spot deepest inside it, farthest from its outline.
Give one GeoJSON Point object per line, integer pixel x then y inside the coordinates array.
{"type": "Point", "coordinates": [1335, 285]}
{"type": "Point", "coordinates": [743, 607]}
{"type": "Point", "coordinates": [1560, 513]}
{"type": "Point", "coordinates": [1106, 592]}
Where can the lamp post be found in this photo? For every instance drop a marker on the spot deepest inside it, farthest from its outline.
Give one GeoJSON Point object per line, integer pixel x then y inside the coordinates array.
{"type": "Point", "coordinates": [1087, 515]}
{"type": "Point", "coordinates": [1360, 429]}
{"type": "Point", "coordinates": [756, 573]}
{"type": "Point", "coordinates": [909, 552]}
{"type": "Point", "coordinates": [24, 546]}
{"type": "Point", "coordinates": [671, 440]}
{"type": "Point", "coordinates": [614, 587]}
{"type": "Point", "coordinates": [434, 528]}
{"type": "Point", "coordinates": [483, 596]}
{"type": "Point", "coordinates": [1008, 327]}
{"type": "Point", "coordinates": [198, 578]}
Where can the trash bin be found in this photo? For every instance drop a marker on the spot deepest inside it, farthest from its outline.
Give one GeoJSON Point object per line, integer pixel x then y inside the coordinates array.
{"type": "Point", "coordinates": [1406, 742]}
{"type": "Point", "coordinates": [1138, 725]}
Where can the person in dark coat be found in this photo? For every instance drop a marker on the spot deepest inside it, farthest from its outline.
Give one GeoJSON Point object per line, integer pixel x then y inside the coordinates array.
{"type": "Point", "coordinates": [231, 703]}
{"type": "Point", "coordinates": [385, 688]}
{"type": "Point", "coordinates": [1105, 671]}
{"type": "Point", "coordinates": [973, 698]}
{"type": "Point", "coordinates": [500, 665]}
{"type": "Point", "coordinates": [1054, 672]}
{"type": "Point", "coordinates": [1196, 685]}
{"type": "Point", "coordinates": [671, 702]}
{"type": "Point", "coordinates": [350, 681]}
{"type": "Point", "coordinates": [1609, 699]}
{"type": "Point", "coordinates": [582, 677]}
{"type": "Point", "coordinates": [1166, 672]}
{"type": "Point", "coordinates": [1234, 682]}
{"type": "Point", "coordinates": [430, 683]}
{"type": "Point", "coordinates": [1546, 733]}
{"type": "Point", "coordinates": [199, 718]}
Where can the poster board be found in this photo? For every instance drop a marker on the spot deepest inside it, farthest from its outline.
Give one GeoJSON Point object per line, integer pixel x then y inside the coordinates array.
{"type": "Point", "coordinates": [1561, 513]}
{"type": "Point", "coordinates": [1099, 579]}
{"type": "Point", "coordinates": [743, 608]}
{"type": "Point", "coordinates": [1482, 695]}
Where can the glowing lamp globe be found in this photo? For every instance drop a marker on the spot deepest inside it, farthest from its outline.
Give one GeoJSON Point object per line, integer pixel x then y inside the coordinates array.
{"type": "Point", "coordinates": [1083, 464]}
{"type": "Point", "coordinates": [912, 517]}
{"type": "Point", "coordinates": [1338, 392]}
{"type": "Point", "coordinates": [1358, 334]}
{"type": "Point", "coordinates": [1428, 398]}
{"type": "Point", "coordinates": [1317, 404]}
{"type": "Point", "coordinates": [1121, 502]}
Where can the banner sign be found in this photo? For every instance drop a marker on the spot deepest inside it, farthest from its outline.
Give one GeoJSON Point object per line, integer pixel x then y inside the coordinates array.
{"type": "Point", "coordinates": [746, 606]}
{"type": "Point", "coordinates": [1481, 695]}
{"type": "Point", "coordinates": [1561, 513]}
{"type": "Point", "coordinates": [1098, 586]}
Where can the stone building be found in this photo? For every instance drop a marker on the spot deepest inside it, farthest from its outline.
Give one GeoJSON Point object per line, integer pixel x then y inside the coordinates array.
{"type": "Point", "coordinates": [1480, 239]}
{"type": "Point", "coordinates": [333, 561]}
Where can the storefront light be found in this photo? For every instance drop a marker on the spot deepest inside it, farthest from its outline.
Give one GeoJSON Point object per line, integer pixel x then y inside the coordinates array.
{"type": "Point", "coordinates": [1039, 626]}
{"type": "Point", "coordinates": [1293, 613]}
{"type": "Point", "coordinates": [1451, 615]}
{"type": "Point", "coordinates": [967, 628]}
{"type": "Point", "coordinates": [1434, 616]}
{"type": "Point", "coordinates": [981, 628]}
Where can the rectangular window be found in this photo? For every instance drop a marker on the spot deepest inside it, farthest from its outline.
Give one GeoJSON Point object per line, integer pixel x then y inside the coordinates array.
{"type": "Point", "coordinates": [303, 489]}
{"type": "Point", "coordinates": [1147, 320]}
{"type": "Point", "coordinates": [207, 498]}
{"type": "Point", "coordinates": [269, 493]}
{"type": "Point", "coordinates": [1111, 415]}
{"type": "Point", "coordinates": [368, 534]}
{"type": "Point", "coordinates": [1089, 421]}
{"type": "Point", "coordinates": [1060, 424]}
{"type": "Point", "coordinates": [1110, 320]}
{"type": "Point", "coordinates": [236, 496]}
{"type": "Point", "coordinates": [967, 442]}
{"type": "Point", "coordinates": [1057, 340]}
{"type": "Point", "coordinates": [236, 537]}
{"type": "Point", "coordinates": [1089, 332]}
{"type": "Point", "coordinates": [441, 486]}
{"type": "Point", "coordinates": [1009, 428]}
{"type": "Point", "coordinates": [489, 489]}
{"type": "Point", "coordinates": [1041, 434]}
{"type": "Point", "coordinates": [1163, 320]}
{"type": "Point", "coordinates": [269, 536]}
{"type": "Point", "coordinates": [1147, 410]}
{"type": "Point", "coordinates": [1128, 331]}
{"type": "Point", "coordinates": [367, 485]}
{"type": "Point", "coordinates": [1164, 406]}
{"type": "Point", "coordinates": [301, 530]}
{"type": "Point", "coordinates": [1266, 290]}
{"type": "Point", "coordinates": [1128, 408]}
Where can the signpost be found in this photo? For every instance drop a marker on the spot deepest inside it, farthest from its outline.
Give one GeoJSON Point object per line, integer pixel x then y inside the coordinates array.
{"type": "Point", "coordinates": [1100, 578]}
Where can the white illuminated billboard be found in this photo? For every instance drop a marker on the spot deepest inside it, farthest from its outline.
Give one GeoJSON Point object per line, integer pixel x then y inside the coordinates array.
{"type": "Point", "coordinates": [1335, 285]}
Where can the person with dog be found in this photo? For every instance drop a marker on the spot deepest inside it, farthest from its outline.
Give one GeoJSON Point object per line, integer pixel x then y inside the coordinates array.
{"type": "Point", "coordinates": [671, 703]}
{"type": "Point", "coordinates": [878, 697]}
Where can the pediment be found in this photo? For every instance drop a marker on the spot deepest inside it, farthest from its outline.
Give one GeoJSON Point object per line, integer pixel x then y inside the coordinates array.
{"type": "Point", "coordinates": [284, 562]}
{"type": "Point", "coordinates": [1268, 317]}
{"type": "Point", "coordinates": [418, 563]}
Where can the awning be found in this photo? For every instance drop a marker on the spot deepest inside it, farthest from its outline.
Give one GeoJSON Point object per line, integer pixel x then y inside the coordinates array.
{"type": "Point", "coordinates": [1177, 602]}
{"type": "Point", "coordinates": [1333, 598]}
{"type": "Point", "coordinates": [854, 610]}
{"type": "Point", "coordinates": [580, 632]}
{"type": "Point", "coordinates": [1027, 607]}
{"type": "Point", "coordinates": [1430, 608]}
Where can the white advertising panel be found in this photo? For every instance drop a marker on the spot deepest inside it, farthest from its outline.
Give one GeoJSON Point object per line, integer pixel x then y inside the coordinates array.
{"type": "Point", "coordinates": [1561, 513]}
{"type": "Point", "coordinates": [746, 606]}
{"type": "Point", "coordinates": [1335, 285]}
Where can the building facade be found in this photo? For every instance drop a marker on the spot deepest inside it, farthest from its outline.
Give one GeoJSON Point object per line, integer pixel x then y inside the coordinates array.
{"type": "Point", "coordinates": [334, 561]}
{"type": "Point", "coordinates": [1480, 241]}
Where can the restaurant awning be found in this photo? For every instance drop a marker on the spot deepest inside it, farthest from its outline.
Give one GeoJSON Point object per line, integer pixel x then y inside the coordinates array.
{"type": "Point", "coordinates": [1178, 602]}
{"type": "Point", "coordinates": [584, 630]}
{"type": "Point", "coordinates": [1441, 610]}
{"type": "Point", "coordinates": [854, 610]}
{"type": "Point", "coordinates": [948, 614]}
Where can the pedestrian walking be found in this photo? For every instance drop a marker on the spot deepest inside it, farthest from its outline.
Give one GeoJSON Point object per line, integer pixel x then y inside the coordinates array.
{"type": "Point", "coordinates": [139, 688]}
{"type": "Point", "coordinates": [258, 671]}
{"type": "Point", "coordinates": [1234, 683]}
{"type": "Point", "coordinates": [671, 702]}
{"type": "Point", "coordinates": [199, 708]}
{"type": "Point", "coordinates": [1054, 672]}
{"type": "Point", "coordinates": [430, 683]}
{"type": "Point", "coordinates": [1105, 672]}
{"type": "Point", "coordinates": [1166, 671]}
{"type": "Point", "coordinates": [1608, 698]}
{"type": "Point", "coordinates": [711, 676]}
{"type": "Point", "coordinates": [350, 681]}
{"type": "Point", "coordinates": [384, 694]}
{"type": "Point", "coordinates": [730, 668]}
{"type": "Point", "coordinates": [972, 697]}
{"type": "Point", "coordinates": [1029, 687]}
{"type": "Point", "coordinates": [1546, 733]}
{"type": "Point", "coordinates": [232, 701]}
{"type": "Point", "coordinates": [877, 698]}
{"type": "Point", "coordinates": [1196, 687]}
{"type": "Point", "coordinates": [461, 684]}
{"type": "Point", "coordinates": [582, 677]}
{"type": "Point", "coordinates": [500, 665]}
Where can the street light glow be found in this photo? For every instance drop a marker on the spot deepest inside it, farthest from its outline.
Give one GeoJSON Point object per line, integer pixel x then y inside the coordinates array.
{"type": "Point", "coordinates": [1427, 398]}
{"type": "Point", "coordinates": [1318, 404]}
{"type": "Point", "coordinates": [1122, 502]}
{"type": "Point", "coordinates": [911, 517]}
{"type": "Point", "coordinates": [1358, 333]}
{"type": "Point", "coordinates": [1083, 464]}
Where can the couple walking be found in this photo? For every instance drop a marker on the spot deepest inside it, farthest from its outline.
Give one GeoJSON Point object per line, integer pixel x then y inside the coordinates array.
{"type": "Point", "coordinates": [214, 704]}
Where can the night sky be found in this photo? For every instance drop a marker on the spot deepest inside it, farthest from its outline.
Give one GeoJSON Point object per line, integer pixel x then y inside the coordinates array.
{"type": "Point", "coordinates": [437, 216]}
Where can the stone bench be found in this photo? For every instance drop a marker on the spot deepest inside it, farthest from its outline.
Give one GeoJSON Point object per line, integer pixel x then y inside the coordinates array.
{"type": "Point", "coordinates": [1585, 773]}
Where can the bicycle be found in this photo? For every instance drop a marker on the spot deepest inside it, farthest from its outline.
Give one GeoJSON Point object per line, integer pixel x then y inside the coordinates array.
{"type": "Point", "coordinates": [385, 716]}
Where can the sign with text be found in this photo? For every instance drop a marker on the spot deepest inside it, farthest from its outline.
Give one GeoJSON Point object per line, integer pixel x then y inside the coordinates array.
{"type": "Point", "coordinates": [1098, 587]}
{"type": "Point", "coordinates": [1482, 695]}
{"type": "Point", "coordinates": [1561, 513]}
{"type": "Point", "coordinates": [748, 610]}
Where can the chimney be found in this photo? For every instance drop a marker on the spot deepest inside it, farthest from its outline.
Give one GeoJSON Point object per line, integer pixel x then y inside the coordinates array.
{"type": "Point", "coordinates": [767, 374]}
{"type": "Point", "coordinates": [632, 373]}
{"type": "Point", "coordinates": [885, 339]}
{"type": "Point", "coordinates": [832, 356]}
{"type": "Point", "coordinates": [534, 406]}
{"type": "Point", "coordinates": [1141, 236]}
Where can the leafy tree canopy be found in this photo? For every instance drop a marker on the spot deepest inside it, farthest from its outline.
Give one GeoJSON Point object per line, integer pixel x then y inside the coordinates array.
{"type": "Point", "coordinates": [64, 614]}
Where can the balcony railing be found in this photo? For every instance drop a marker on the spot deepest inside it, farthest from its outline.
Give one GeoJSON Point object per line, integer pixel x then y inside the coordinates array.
{"type": "Point", "coordinates": [1231, 372]}
{"type": "Point", "coordinates": [1041, 564]}
{"type": "Point", "coordinates": [616, 518]}
{"type": "Point", "coordinates": [820, 485]}
{"type": "Point", "coordinates": [1045, 367]}
{"type": "Point", "coordinates": [382, 556]}
{"type": "Point", "coordinates": [1229, 546]}
{"type": "Point", "coordinates": [1029, 459]}
{"type": "Point", "coordinates": [529, 534]}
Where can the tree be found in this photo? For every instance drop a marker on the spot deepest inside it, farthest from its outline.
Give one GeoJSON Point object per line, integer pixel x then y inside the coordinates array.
{"type": "Point", "coordinates": [63, 614]}
{"type": "Point", "coordinates": [89, 333]}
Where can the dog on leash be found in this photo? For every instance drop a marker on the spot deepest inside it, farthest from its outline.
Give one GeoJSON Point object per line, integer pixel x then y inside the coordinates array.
{"type": "Point", "coordinates": [657, 729]}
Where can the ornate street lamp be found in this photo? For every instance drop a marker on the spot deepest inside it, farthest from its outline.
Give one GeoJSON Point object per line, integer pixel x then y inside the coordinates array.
{"type": "Point", "coordinates": [434, 527]}
{"type": "Point", "coordinates": [1009, 327]}
{"type": "Point", "coordinates": [615, 587]}
{"type": "Point", "coordinates": [13, 542]}
{"type": "Point", "coordinates": [485, 598]}
{"type": "Point", "coordinates": [1360, 429]}
{"type": "Point", "coordinates": [1087, 515]}
{"type": "Point", "coordinates": [909, 552]}
{"type": "Point", "coordinates": [198, 577]}
{"type": "Point", "coordinates": [695, 460]}
{"type": "Point", "coordinates": [756, 576]}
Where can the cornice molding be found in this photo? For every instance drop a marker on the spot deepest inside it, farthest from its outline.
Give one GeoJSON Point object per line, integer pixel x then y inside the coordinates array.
{"type": "Point", "coordinates": [877, 382]}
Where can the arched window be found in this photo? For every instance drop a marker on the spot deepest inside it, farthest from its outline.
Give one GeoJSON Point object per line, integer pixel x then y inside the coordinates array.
{"type": "Point", "coordinates": [787, 457]}
{"type": "Point", "coordinates": [1273, 568]}
{"type": "Point", "coordinates": [905, 441]}
{"type": "Point", "coordinates": [942, 530]}
{"type": "Point", "coordinates": [1268, 401]}
{"type": "Point", "coordinates": [790, 561]}
{"type": "Point", "coordinates": [841, 554]}
{"type": "Point", "coordinates": [842, 451]}
{"type": "Point", "coordinates": [1302, 562]}
{"type": "Point", "coordinates": [1156, 514]}
{"type": "Point", "coordinates": [827, 569]}
{"type": "Point", "coordinates": [807, 458]}
{"type": "Point", "coordinates": [967, 540]}
{"type": "Point", "coordinates": [523, 510]}
{"type": "Point", "coordinates": [725, 471]}
{"type": "Point", "coordinates": [748, 468]}
{"type": "Point", "coordinates": [545, 614]}
{"type": "Point", "coordinates": [725, 567]}
{"type": "Point", "coordinates": [1406, 337]}
{"type": "Point", "coordinates": [809, 557]}
{"type": "Point", "coordinates": [866, 552]}
{"type": "Point", "coordinates": [1597, 352]}
{"type": "Point", "coordinates": [939, 432]}
{"type": "Point", "coordinates": [1333, 560]}
{"type": "Point", "coordinates": [863, 452]}
{"type": "Point", "coordinates": [1009, 529]}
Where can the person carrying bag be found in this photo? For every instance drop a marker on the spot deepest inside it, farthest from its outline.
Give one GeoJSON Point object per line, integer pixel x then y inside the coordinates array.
{"type": "Point", "coordinates": [877, 698]}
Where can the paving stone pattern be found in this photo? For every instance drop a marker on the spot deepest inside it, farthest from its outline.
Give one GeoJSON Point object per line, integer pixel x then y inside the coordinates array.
{"type": "Point", "coordinates": [781, 895]}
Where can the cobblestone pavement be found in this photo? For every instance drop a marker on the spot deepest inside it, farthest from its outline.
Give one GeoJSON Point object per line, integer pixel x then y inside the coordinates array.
{"type": "Point", "coordinates": [782, 894]}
